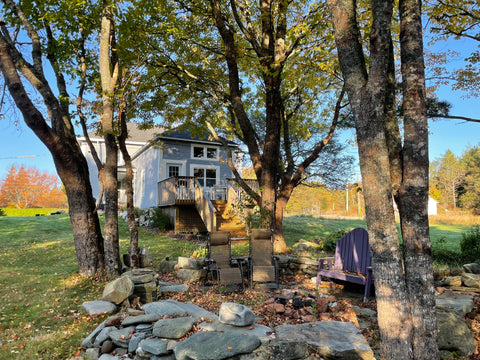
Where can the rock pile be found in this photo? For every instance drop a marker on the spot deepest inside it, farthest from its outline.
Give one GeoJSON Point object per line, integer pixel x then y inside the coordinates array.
{"type": "Point", "coordinates": [174, 330]}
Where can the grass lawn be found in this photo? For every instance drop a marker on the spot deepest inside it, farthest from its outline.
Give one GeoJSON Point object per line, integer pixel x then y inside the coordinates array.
{"type": "Point", "coordinates": [40, 315]}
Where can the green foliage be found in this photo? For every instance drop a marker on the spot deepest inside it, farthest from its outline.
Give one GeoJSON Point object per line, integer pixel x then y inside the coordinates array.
{"type": "Point", "coordinates": [445, 256]}
{"type": "Point", "coordinates": [2, 212]}
{"type": "Point", "coordinates": [160, 220]}
{"type": "Point", "coordinates": [328, 243]}
{"type": "Point", "coordinates": [470, 244]}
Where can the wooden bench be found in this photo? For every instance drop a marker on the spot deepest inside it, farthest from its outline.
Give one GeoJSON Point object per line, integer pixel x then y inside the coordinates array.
{"type": "Point", "coordinates": [352, 261]}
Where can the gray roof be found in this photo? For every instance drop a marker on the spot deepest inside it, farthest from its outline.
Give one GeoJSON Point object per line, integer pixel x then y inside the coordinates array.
{"type": "Point", "coordinates": [136, 132]}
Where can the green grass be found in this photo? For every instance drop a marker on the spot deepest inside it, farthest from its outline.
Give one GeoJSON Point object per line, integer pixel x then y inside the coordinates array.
{"type": "Point", "coordinates": [28, 212]}
{"type": "Point", "coordinates": [40, 316]}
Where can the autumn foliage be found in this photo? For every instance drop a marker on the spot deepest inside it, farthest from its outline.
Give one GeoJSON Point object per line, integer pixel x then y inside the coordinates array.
{"type": "Point", "coordinates": [28, 188]}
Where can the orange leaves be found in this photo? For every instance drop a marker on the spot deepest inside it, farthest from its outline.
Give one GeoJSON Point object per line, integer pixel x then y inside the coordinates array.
{"type": "Point", "coordinates": [26, 188]}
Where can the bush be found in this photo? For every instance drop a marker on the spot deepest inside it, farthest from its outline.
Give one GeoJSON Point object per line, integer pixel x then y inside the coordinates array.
{"type": "Point", "coordinates": [160, 221]}
{"type": "Point", "coordinates": [329, 243]}
{"type": "Point", "coordinates": [470, 244]}
{"type": "Point", "coordinates": [2, 212]}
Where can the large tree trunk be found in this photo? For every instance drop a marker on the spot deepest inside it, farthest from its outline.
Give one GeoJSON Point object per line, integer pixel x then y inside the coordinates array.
{"type": "Point", "coordinates": [403, 282]}
{"type": "Point", "coordinates": [109, 75]}
{"type": "Point", "coordinates": [414, 190]}
{"type": "Point", "coordinates": [368, 97]}
{"type": "Point", "coordinates": [69, 162]}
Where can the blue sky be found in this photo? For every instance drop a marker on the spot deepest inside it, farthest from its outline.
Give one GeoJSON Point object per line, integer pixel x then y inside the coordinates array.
{"type": "Point", "coordinates": [20, 146]}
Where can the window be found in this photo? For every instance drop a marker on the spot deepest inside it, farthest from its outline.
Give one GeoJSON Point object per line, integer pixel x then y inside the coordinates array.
{"type": "Point", "coordinates": [206, 177]}
{"type": "Point", "coordinates": [205, 152]}
{"type": "Point", "coordinates": [173, 171]}
{"type": "Point", "coordinates": [197, 152]}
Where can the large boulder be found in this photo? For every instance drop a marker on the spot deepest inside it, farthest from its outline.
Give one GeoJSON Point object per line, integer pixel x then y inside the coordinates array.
{"type": "Point", "coordinates": [330, 339]}
{"type": "Point", "coordinates": [235, 314]}
{"type": "Point", "coordinates": [454, 334]}
{"type": "Point", "coordinates": [213, 345]}
{"type": "Point", "coordinates": [118, 290]}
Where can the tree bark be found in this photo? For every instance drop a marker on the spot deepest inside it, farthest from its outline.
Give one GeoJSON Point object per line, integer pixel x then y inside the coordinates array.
{"type": "Point", "coordinates": [133, 249]}
{"type": "Point", "coordinates": [368, 95]}
{"type": "Point", "coordinates": [414, 189]}
{"type": "Point", "coordinates": [68, 159]}
{"type": "Point", "coordinates": [109, 76]}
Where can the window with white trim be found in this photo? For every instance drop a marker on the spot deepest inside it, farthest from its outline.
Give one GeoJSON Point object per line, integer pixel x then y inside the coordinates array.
{"type": "Point", "coordinates": [173, 171]}
{"type": "Point", "coordinates": [204, 152]}
{"type": "Point", "coordinates": [206, 177]}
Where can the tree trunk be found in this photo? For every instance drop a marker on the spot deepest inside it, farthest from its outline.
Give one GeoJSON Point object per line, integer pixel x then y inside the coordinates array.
{"type": "Point", "coordinates": [368, 93]}
{"type": "Point", "coordinates": [414, 189]}
{"type": "Point", "coordinates": [109, 75]}
{"type": "Point", "coordinates": [112, 247]}
{"type": "Point", "coordinates": [70, 164]}
{"type": "Point", "coordinates": [279, 244]}
{"type": "Point", "coordinates": [133, 249]}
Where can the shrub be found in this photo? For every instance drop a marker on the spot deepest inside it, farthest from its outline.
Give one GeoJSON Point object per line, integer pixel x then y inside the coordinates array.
{"type": "Point", "coordinates": [2, 212]}
{"type": "Point", "coordinates": [329, 243]}
{"type": "Point", "coordinates": [470, 244]}
{"type": "Point", "coordinates": [160, 221]}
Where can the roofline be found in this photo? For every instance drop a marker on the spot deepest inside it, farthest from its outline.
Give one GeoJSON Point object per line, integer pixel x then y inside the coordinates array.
{"type": "Point", "coordinates": [101, 139]}
{"type": "Point", "coordinates": [232, 144]}
{"type": "Point", "coordinates": [151, 143]}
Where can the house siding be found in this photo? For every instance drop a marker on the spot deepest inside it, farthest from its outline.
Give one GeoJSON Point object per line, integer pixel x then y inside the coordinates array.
{"type": "Point", "coordinates": [146, 179]}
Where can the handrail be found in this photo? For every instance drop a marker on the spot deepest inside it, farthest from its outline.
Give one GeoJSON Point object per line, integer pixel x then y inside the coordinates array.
{"type": "Point", "coordinates": [205, 208]}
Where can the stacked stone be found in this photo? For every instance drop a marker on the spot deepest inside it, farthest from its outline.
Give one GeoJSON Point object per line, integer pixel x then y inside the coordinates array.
{"type": "Point", "coordinates": [174, 330]}
{"type": "Point", "coordinates": [190, 270]}
{"type": "Point", "coordinates": [145, 286]}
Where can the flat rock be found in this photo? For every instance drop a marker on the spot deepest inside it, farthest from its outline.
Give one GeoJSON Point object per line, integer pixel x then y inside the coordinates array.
{"type": "Point", "coordinates": [235, 314]}
{"type": "Point", "coordinates": [103, 336]}
{"type": "Point", "coordinates": [88, 341]}
{"type": "Point", "coordinates": [171, 307]}
{"type": "Point", "coordinates": [180, 288]}
{"type": "Point", "coordinates": [453, 281]}
{"type": "Point", "coordinates": [140, 276]}
{"type": "Point", "coordinates": [462, 304]}
{"type": "Point", "coordinates": [121, 337]}
{"type": "Point", "coordinates": [135, 341]}
{"type": "Point", "coordinates": [175, 328]}
{"type": "Point", "coordinates": [331, 339]}
{"type": "Point", "coordinates": [108, 357]}
{"type": "Point", "coordinates": [471, 280]}
{"type": "Point", "coordinates": [98, 307]}
{"type": "Point", "coordinates": [155, 346]}
{"type": "Point", "coordinates": [213, 345]}
{"type": "Point", "coordinates": [454, 334]}
{"type": "Point", "coordinates": [258, 330]}
{"type": "Point", "coordinates": [141, 319]}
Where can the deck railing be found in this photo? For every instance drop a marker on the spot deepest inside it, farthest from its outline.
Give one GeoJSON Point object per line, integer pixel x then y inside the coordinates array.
{"type": "Point", "coordinates": [176, 190]}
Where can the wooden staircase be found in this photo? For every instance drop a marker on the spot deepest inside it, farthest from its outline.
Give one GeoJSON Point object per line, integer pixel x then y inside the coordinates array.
{"type": "Point", "coordinates": [226, 222]}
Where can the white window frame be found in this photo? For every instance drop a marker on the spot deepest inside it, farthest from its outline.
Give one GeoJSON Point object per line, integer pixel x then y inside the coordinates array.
{"type": "Point", "coordinates": [206, 167]}
{"type": "Point", "coordinates": [165, 163]}
{"type": "Point", "coordinates": [205, 151]}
